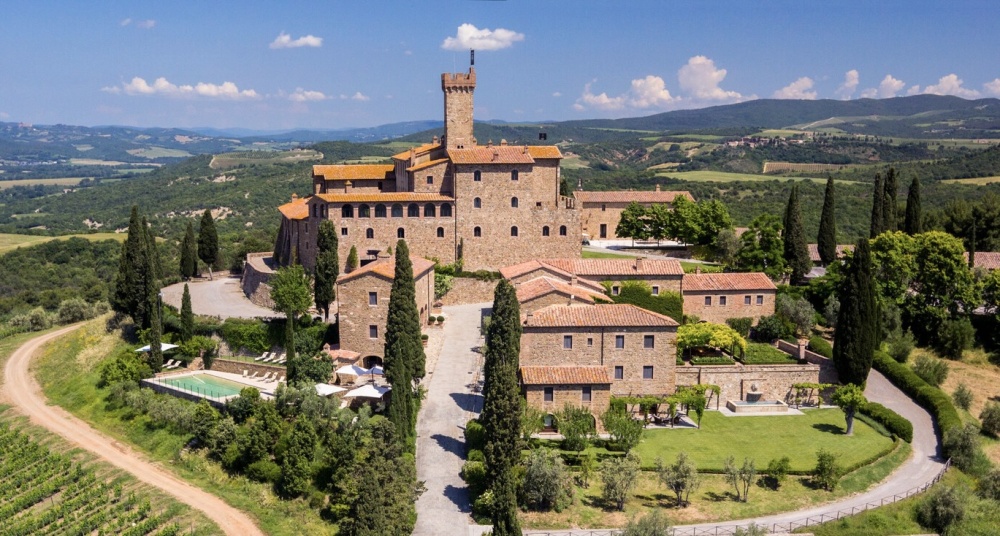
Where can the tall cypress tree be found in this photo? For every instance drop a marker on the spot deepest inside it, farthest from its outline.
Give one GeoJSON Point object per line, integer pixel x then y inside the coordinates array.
{"type": "Point", "coordinates": [327, 267]}
{"type": "Point", "coordinates": [889, 207]}
{"type": "Point", "coordinates": [878, 203]}
{"type": "Point", "coordinates": [135, 280]}
{"type": "Point", "coordinates": [796, 250]}
{"type": "Point", "coordinates": [155, 331]}
{"type": "Point", "coordinates": [913, 223]}
{"type": "Point", "coordinates": [826, 241]}
{"type": "Point", "coordinates": [856, 338]}
{"type": "Point", "coordinates": [189, 253]}
{"type": "Point", "coordinates": [154, 252]}
{"type": "Point", "coordinates": [187, 315]}
{"type": "Point", "coordinates": [352, 260]}
{"type": "Point", "coordinates": [972, 243]}
{"type": "Point", "coordinates": [208, 241]}
{"type": "Point", "coordinates": [404, 352]}
{"type": "Point", "coordinates": [501, 415]}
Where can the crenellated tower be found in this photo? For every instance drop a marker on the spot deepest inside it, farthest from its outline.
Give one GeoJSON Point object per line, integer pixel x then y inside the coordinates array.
{"type": "Point", "coordinates": [458, 89]}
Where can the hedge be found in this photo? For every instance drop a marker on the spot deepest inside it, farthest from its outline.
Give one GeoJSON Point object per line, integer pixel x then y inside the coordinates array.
{"type": "Point", "coordinates": [929, 397]}
{"type": "Point", "coordinates": [821, 346]}
{"type": "Point", "coordinates": [895, 423]}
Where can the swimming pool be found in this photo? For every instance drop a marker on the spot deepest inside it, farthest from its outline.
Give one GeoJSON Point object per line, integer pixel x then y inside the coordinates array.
{"type": "Point", "coordinates": [205, 385]}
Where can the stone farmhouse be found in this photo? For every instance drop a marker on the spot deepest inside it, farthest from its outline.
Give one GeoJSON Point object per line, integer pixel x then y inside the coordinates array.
{"type": "Point", "coordinates": [363, 297]}
{"type": "Point", "coordinates": [718, 297]}
{"type": "Point", "coordinates": [454, 199]}
{"type": "Point", "coordinates": [660, 274]}
{"type": "Point", "coordinates": [600, 212]}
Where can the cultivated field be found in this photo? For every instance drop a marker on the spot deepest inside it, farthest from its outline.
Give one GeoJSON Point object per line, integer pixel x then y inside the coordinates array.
{"type": "Point", "coordinates": [779, 167]}
{"type": "Point", "coordinates": [243, 158]}
{"type": "Point", "coordinates": [94, 162]}
{"type": "Point", "coordinates": [159, 152]}
{"type": "Point", "coordinates": [63, 181]}
{"type": "Point", "coordinates": [722, 176]}
{"type": "Point", "coordinates": [10, 242]}
{"type": "Point", "coordinates": [978, 181]}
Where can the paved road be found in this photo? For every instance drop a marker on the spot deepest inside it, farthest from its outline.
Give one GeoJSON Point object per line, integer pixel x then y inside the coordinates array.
{"type": "Point", "coordinates": [444, 508]}
{"type": "Point", "coordinates": [22, 391]}
{"type": "Point", "coordinates": [221, 297]}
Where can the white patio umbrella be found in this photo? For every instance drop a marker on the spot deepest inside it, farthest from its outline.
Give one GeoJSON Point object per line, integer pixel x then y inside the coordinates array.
{"type": "Point", "coordinates": [352, 370]}
{"type": "Point", "coordinates": [163, 347]}
{"type": "Point", "coordinates": [367, 391]}
{"type": "Point", "coordinates": [377, 370]}
{"type": "Point", "coordinates": [325, 389]}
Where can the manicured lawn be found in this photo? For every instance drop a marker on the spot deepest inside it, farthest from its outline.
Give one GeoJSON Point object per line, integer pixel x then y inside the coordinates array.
{"type": "Point", "coordinates": [706, 268]}
{"type": "Point", "coordinates": [764, 438]}
{"type": "Point", "coordinates": [765, 354]}
{"type": "Point", "coordinates": [587, 254]}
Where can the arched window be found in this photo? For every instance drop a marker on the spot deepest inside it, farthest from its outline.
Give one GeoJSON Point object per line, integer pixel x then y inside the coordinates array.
{"type": "Point", "coordinates": [397, 211]}
{"type": "Point", "coordinates": [445, 210]}
{"type": "Point", "coordinates": [369, 233]}
{"type": "Point", "coordinates": [477, 232]}
{"type": "Point", "coordinates": [477, 203]}
{"type": "Point", "coordinates": [562, 230]}
{"type": "Point", "coordinates": [545, 231]}
{"type": "Point", "coordinates": [429, 211]}
{"type": "Point", "coordinates": [477, 175]}
{"type": "Point", "coordinates": [513, 231]}
{"type": "Point", "coordinates": [347, 211]}
{"type": "Point", "coordinates": [400, 233]}
{"type": "Point", "coordinates": [440, 232]}
{"type": "Point", "coordinates": [380, 210]}
{"type": "Point", "coordinates": [513, 175]}
{"type": "Point", "coordinates": [364, 211]}
{"type": "Point", "coordinates": [513, 202]}
{"type": "Point", "coordinates": [413, 211]}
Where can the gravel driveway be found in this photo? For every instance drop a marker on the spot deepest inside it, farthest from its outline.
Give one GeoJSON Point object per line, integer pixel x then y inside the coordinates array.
{"type": "Point", "coordinates": [221, 297]}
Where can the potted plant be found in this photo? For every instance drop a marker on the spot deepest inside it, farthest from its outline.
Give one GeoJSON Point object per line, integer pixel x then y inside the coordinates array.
{"type": "Point", "coordinates": [440, 319]}
{"type": "Point", "coordinates": [423, 339]}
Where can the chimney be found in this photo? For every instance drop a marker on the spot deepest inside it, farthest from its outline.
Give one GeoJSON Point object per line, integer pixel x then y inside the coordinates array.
{"type": "Point", "coordinates": [697, 269]}
{"type": "Point", "coordinates": [503, 142]}
{"type": "Point", "coordinates": [435, 140]}
{"type": "Point", "coordinates": [294, 196]}
{"type": "Point", "coordinates": [573, 280]}
{"type": "Point", "coordinates": [347, 186]}
{"type": "Point", "coordinates": [639, 263]}
{"type": "Point", "coordinates": [657, 187]}
{"type": "Point", "coordinates": [527, 318]}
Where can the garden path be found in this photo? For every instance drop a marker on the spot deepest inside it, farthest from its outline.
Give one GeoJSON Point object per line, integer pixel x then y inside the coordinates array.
{"type": "Point", "coordinates": [453, 397]}
{"type": "Point", "coordinates": [22, 391]}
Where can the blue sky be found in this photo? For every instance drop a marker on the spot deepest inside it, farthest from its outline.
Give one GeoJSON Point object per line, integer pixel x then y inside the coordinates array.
{"type": "Point", "coordinates": [330, 64]}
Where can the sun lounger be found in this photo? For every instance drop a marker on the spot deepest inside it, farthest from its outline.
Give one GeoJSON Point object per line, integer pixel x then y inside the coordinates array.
{"type": "Point", "coordinates": [168, 363]}
{"type": "Point", "coordinates": [245, 372]}
{"type": "Point", "coordinates": [254, 376]}
{"type": "Point", "coordinates": [263, 356]}
{"type": "Point", "coordinates": [281, 379]}
{"type": "Point", "coordinates": [281, 361]}
{"type": "Point", "coordinates": [270, 359]}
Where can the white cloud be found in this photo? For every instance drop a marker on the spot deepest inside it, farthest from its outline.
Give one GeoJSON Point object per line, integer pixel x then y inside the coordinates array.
{"type": "Point", "coordinates": [125, 22]}
{"type": "Point", "coordinates": [650, 92]}
{"type": "Point", "coordinates": [700, 79]}
{"type": "Point", "coordinates": [144, 24]}
{"type": "Point", "coordinates": [469, 37]}
{"type": "Point", "coordinates": [886, 89]}
{"type": "Point", "coordinates": [951, 85]}
{"type": "Point", "coordinates": [4, 115]}
{"type": "Point", "coordinates": [850, 85]}
{"type": "Point", "coordinates": [558, 94]}
{"type": "Point", "coordinates": [601, 102]}
{"type": "Point", "coordinates": [161, 86]}
{"type": "Point", "coordinates": [358, 96]}
{"type": "Point", "coordinates": [799, 89]}
{"type": "Point", "coordinates": [302, 95]}
{"type": "Point", "coordinates": [285, 41]}
{"type": "Point", "coordinates": [992, 88]}
{"type": "Point", "coordinates": [914, 90]}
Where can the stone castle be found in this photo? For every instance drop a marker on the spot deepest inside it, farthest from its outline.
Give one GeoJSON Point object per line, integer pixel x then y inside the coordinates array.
{"type": "Point", "coordinates": [453, 200]}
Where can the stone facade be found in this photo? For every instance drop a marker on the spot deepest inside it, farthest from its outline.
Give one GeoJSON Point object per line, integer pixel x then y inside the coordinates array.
{"type": "Point", "coordinates": [600, 212]}
{"type": "Point", "coordinates": [773, 381]}
{"type": "Point", "coordinates": [572, 395]}
{"type": "Point", "coordinates": [257, 272]}
{"type": "Point", "coordinates": [717, 297]}
{"type": "Point", "coordinates": [363, 298]}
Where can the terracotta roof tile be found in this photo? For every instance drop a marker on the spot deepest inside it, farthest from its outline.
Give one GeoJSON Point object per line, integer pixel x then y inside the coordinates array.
{"type": "Point", "coordinates": [387, 268]}
{"type": "Point", "coordinates": [383, 197]}
{"type": "Point", "coordinates": [497, 154]}
{"type": "Point", "coordinates": [567, 375]}
{"type": "Point", "coordinates": [420, 149]}
{"type": "Point", "coordinates": [540, 286]}
{"type": "Point", "coordinates": [617, 267]}
{"type": "Point", "coordinates": [602, 315]}
{"type": "Point", "coordinates": [544, 151]}
{"type": "Point", "coordinates": [728, 281]}
{"type": "Point", "coordinates": [295, 210]}
{"type": "Point", "coordinates": [526, 267]}
{"type": "Point", "coordinates": [354, 172]}
{"type": "Point", "coordinates": [814, 251]}
{"type": "Point", "coordinates": [988, 260]}
{"type": "Point", "coordinates": [429, 163]}
{"type": "Point", "coordinates": [628, 196]}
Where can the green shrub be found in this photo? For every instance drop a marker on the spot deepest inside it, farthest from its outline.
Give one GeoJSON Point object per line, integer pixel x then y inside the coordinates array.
{"type": "Point", "coordinates": [989, 485]}
{"type": "Point", "coordinates": [962, 446]}
{"type": "Point", "coordinates": [943, 507]}
{"type": "Point", "coordinates": [900, 345]}
{"type": "Point", "coordinates": [712, 360]}
{"type": "Point", "coordinates": [990, 417]}
{"type": "Point", "coordinates": [74, 310]}
{"type": "Point", "coordinates": [827, 472]}
{"type": "Point", "coordinates": [962, 396]}
{"type": "Point", "coordinates": [895, 423]}
{"type": "Point", "coordinates": [247, 335]}
{"type": "Point", "coordinates": [640, 294]}
{"type": "Point", "coordinates": [475, 436]}
{"type": "Point", "coordinates": [474, 455]}
{"type": "Point", "coordinates": [772, 328]}
{"type": "Point", "coordinates": [264, 471]}
{"type": "Point", "coordinates": [547, 485]}
{"type": "Point", "coordinates": [474, 474]}
{"type": "Point", "coordinates": [482, 507]}
{"type": "Point", "coordinates": [125, 366]}
{"type": "Point", "coordinates": [777, 471]}
{"type": "Point", "coordinates": [932, 370]}
{"type": "Point", "coordinates": [821, 346]}
{"type": "Point", "coordinates": [954, 337]}
{"type": "Point", "coordinates": [929, 397]}
{"type": "Point", "coordinates": [742, 325]}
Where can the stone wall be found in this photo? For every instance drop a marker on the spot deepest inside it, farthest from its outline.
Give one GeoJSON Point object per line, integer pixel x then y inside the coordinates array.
{"type": "Point", "coordinates": [773, 381]}
{"type": "Point", "coordinates": [600, 399]}
{"type": "Point", "coordinates": [468, 290]}
{"type": "Point", "coordinates": [355, 316]}
{"type": "Point", "coordinates": [827, 370]}
{"type": "Point", "coordinates": [256, 273]}
{"type": "Point", "coordinates": [735, 307]}
{"type": "Point", "coordinates": [237, 367]}
{"type": "Point", "coordinates": [428, 236]}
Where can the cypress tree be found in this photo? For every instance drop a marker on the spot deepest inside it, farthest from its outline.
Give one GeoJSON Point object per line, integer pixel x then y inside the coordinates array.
{"type": "Point", "coordinates": [404, 352]}
{"type": "Point", "coordinates": [878, 204]}
{"type": "Point", "coordinates": [155, 332]}
{"type": "Point", "coordinates": [352, 260]}
{"type": "Point", "coordinates": [826, 241]}
{"type": "Point", "coordinates": [856, 338]}
{"type": "Point", "coordinates": [972, 244]}
{"type": "Point", "coordinates": [327, 267]}
{"type": "Point", "coordinates": [154, 252]}
{"type": "Point", "coordinates": [889, 207]}
{"type": "Point", "coordinates": [187, 316]}
{"type": "Point", "coordinates": [913, 224]}
{"type": "Point", "coordinates": [134, 279]}
{"type": "Point", "coordinates": [796, 250]}
{"type": "Point", "coordinates": [501, 415]}
{"type": "Point", "coordinates": [189, 253]}
{"type": "Point", "coordinates": [208, 241]}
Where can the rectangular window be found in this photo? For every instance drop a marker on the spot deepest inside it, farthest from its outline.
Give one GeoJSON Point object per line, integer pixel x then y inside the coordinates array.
{"type": "Point", "coordinates": [615, 291]}
{"type": "Point", "coordinates": [547, 394]}
{"type": "Point", "coordinates": [746, 300]}
{"type": "Point", "coordinates": [619, 372]}
{"type": "Point", "coordinates": [430, 179]}
{"type": "Point", "coordinates": [604, 207]}
{"type": "Point", "coordinates": [585, 393]}
{"type": "Point", "coordinates": [568, 342]}
{"type": "Point", "coordinates": [708, 301]}
{"type": "Point", "coordinates": [343, 231]}
{"type": "Point", "coordinates": [619, 341]}
{"type": "Point", "coordinates": [373, 298]}
{"type": "Point", "coordinates": [373, 331]}
{"type": "Point", "coordinates": [590, 342]}
{"type": "Point", "coordinates": [656, 290]}
{"type": "Point", "coordinates": [647, 341]}
{"type": "Point", "coordinates": [760, 299]}
{"type": "Point", "coordinates": [647, 372]}
{"type": "Point", "coordinates": [722, 301]}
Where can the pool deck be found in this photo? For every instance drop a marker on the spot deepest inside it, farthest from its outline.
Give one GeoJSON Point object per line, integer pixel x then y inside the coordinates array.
{"type": "Point", "coordinates": [267, 389]}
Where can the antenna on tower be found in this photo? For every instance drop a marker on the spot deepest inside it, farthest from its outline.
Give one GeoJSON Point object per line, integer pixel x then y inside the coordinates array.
{"type": "Point", "coordinates": [472, 57]}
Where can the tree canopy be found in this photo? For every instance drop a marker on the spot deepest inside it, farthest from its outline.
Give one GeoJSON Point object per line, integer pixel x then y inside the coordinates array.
{"type": "Point", "coordinates": [291, 296]}
{"type": "Point", "coordinates": [327, 267]}
{"type": "Point", "coordinates": [710, 335]}
{"type": "Point", "coordinates": [761, 248]}
{"type": "Point", "coordinates": [208, 241]}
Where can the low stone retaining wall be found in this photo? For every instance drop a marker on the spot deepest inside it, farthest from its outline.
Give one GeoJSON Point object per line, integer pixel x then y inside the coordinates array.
{"type": "Point", "coordinates": [774, 382]}
{"type": "Point", "coordinates": [237, 367]}
{"type": "Point", "coordinates": [256, 273]}
{"type": "Point", "coordinates": [827, 372]}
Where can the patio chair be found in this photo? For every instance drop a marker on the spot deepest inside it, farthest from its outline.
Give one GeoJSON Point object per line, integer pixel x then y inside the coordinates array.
{"type": "Point", "coordinates": [245, 372]}
{"type": "Point", "coordinates": [255, 374]}
{"type": "Point", "coordinates": [168, 363]}
{"type": "Point", "coordinates": [281, 379]}
{"type": "Point", "coordinates": [281, 361]}
{"type": "Point", "coordinates": [270, 376]}
{"type": "Point", "coordinates": [262, 356]}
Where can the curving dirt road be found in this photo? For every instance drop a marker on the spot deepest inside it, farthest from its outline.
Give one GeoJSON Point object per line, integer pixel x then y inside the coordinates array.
{"type": "Point", "coordinates": [22, 391]}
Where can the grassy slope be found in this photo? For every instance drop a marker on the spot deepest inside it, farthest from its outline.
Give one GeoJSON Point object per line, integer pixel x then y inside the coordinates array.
{"type": "Point", "coordinates": [10, 242]}
{"type": "Point", "coordinates": [67, 373]}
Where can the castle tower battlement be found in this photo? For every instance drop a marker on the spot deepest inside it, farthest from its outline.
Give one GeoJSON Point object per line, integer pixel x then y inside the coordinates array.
{"type": "Point", "coordinates": [458, 89]}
